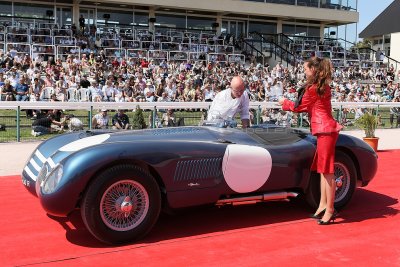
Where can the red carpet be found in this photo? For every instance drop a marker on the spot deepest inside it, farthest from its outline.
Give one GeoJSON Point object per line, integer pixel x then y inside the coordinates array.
{"type": "Point", "coordinates": [274, 234]}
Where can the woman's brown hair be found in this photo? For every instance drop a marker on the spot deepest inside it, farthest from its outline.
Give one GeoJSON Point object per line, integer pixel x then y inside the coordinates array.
{"type": "Point", "coordinates": [322, 73]}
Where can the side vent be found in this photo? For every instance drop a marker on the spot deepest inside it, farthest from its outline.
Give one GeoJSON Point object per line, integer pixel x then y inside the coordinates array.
{"type": "Point", "coordinates": [198, 169]}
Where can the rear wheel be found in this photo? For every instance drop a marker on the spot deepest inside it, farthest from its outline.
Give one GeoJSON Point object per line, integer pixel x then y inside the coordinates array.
{"type": "Point", "coordinates": [121, 205]}
{"type": "Point", "coordinates": [345, 175]}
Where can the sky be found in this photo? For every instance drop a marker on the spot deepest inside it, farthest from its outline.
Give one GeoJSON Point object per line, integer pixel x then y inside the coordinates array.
{"type": "Point", "coordinates": [369, 10]}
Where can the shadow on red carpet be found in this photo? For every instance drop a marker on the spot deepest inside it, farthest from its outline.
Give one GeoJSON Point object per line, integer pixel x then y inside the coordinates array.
{"type": "Point", "coordinates": [208, 220]}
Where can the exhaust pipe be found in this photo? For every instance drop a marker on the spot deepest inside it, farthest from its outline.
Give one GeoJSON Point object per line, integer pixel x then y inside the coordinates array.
{"type": "Point", "coordinates": [276, 196]}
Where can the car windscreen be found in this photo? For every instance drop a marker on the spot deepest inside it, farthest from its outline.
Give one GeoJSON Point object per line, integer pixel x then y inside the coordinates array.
{"type": "Point", "coordinates": [276, 136]}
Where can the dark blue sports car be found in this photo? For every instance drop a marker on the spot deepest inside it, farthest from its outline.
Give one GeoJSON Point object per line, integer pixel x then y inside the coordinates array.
{"type": "Point", "coordinates": [121, 181]}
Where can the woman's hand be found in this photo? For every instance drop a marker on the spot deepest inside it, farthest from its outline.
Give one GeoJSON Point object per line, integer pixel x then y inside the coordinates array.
{"type": "Point", "coordinates": [281, 100]}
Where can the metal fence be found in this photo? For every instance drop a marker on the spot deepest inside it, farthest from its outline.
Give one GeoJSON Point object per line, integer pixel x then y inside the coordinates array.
{"type": "Point", "coordinates": [16, 121]}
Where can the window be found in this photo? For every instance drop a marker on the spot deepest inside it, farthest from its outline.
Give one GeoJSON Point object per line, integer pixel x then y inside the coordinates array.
{"type": "Point", "coordinates": [262, 27]}
{"type": "Point", "coordinates": [313, 31]}
{"type": "Point", "coordinates": [170, 21]}
{"type": "Point", "coordinates": [294, 30]}
{"type": "Point", "coordinates": [5, 9]}
{"type": "Point", "coordinates": [29, 10]}
{"type": "Point", "coordinates": [141, 19]}
{"type": "Point", "coordinates": [116, 17]}
{"type": "Point", "coordinates": [301, 30]}
{"type": "Point", "coordinates": [198, 23]}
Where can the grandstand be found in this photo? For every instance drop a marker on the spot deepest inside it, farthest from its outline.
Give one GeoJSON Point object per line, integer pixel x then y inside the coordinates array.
{"type": "Point", "coordinates": [178, 30]}
{"type": "Point", "coordinates": [267, 31]}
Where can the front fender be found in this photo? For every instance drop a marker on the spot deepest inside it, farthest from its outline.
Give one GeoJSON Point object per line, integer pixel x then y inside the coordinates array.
{"type": "Point", "coordinates": [84, 165]}
{"type": "Point", "coordinates": [45, 150]}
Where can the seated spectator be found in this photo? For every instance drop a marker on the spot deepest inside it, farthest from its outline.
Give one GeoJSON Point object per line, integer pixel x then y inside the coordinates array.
{"type": "Point", "coordinates": [13, 77]}
{"type": "Point", "coordinates": [7, 93]}
{"type": "Point", "coordinates": [164, 97]}
{"type": "Point", "coordinates": [109, 91]}
{"type": "Point", "coordinates": [169, 119]}
{"type": "Point", "coordinates": [120, 120]}
{"type": "Point", "coordinates": [72, 83]}
{"type": "Point", "coordinates": [36, 87]}
{"type": "Point", "coordinates": [84, 82]}
{"type": "Point", "coordinates": [100, 120]}
{"type": "Point", "coordinates": [149, 91]}
{"type": "Point", "coordinates": [22, 90]}
{"type": "Point", "coordinates": [96, 92]}
{"type": "Point", "coordinates": [72, 123]}
{"type": "Point", "coordinates": [46, 123]}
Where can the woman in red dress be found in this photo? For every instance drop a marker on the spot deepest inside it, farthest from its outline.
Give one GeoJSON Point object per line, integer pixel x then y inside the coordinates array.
{"type": "Point", "coordinates": [316, 101]}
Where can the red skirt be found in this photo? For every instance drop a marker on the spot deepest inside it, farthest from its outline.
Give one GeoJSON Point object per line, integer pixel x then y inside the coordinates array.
{"type": "Point", "coordinates": [324, 158]}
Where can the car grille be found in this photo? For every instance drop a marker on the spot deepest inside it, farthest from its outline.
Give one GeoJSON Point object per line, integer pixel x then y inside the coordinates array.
{"type": "Point", "coordinates": [198, 169]}
{"type": "Point", "coordinates": [34, 165]}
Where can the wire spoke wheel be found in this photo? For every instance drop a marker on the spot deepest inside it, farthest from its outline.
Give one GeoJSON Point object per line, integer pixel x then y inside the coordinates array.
{"type": "Point", "coordinates": [342, 186]}
{"type": "Point", "coordinates": [121, 204]}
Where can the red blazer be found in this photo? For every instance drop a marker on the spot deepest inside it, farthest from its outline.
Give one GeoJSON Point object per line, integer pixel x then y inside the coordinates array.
{"type": "Point", "coordinates": [319, 109]}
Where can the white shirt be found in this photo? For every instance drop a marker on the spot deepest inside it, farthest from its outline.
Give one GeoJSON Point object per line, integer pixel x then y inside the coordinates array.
{"type": "Point", "coordinates": [102, 121]}
{"type": "Point", "coordinates": [225, 107]}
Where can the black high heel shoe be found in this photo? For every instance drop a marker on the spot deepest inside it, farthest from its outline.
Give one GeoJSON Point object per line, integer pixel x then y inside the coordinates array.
{"type": "Point", "coordinates": [331, 219]}
{"type": "Point", "coordinates": [319, 215]}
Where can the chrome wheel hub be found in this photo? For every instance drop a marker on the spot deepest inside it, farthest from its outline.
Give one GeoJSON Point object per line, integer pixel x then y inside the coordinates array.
{"type": "Point", "coordinates": [124, 205]}
{"type": "Point", "coordinates": [339, 182]}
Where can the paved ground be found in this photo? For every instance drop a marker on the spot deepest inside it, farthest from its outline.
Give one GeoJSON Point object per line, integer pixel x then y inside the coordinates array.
{"type": "Point", "coordinates": [14, 155]}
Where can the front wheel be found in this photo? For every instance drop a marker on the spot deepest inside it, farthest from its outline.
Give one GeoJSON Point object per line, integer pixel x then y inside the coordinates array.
{"type": "Point", "coordinates": [121, 205]}
{"type": "Point", "coordinates": [346, 179]}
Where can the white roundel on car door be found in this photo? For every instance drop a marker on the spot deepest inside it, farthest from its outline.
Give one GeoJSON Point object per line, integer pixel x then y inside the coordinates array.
{"type": "Point", "coordinates": [246, 168]}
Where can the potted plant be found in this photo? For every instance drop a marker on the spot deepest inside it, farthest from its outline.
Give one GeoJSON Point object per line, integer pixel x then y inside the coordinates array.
{"type": "Point", "coordinates": [368, 122]}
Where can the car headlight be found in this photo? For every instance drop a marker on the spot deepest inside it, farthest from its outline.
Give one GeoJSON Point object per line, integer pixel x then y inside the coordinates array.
{"type": "Point", "coordinates": [51, 181]}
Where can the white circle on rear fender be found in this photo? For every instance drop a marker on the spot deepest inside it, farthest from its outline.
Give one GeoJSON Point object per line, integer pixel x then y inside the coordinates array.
{"type": "Point", "coordinates": [246, 168]}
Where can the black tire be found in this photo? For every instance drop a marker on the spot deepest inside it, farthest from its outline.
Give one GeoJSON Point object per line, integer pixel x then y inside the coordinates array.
{"type": "Point", "coordinates": [344, 166]}
{"type": "Point", "coordinates": [101, 208]}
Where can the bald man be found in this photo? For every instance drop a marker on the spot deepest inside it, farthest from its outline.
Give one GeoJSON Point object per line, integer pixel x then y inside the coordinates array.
{"type": "Point", "coordinates": [231, 101]}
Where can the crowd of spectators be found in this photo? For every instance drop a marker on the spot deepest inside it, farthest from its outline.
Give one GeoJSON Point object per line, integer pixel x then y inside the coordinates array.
{"type": "Point", "coordinates": [96, 77]}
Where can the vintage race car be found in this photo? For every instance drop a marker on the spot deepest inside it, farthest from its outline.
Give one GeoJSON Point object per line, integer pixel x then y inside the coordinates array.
{"type": "Point", "coordinates": [121, 181]}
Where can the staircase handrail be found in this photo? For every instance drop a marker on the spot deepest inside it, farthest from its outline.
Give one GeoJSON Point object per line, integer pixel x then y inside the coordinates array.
{"type": "Point", "coordinates": [285, 51]}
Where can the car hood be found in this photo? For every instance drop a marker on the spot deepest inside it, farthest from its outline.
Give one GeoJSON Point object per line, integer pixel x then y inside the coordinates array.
{"type": "Point", "coordinates": [182, 134]}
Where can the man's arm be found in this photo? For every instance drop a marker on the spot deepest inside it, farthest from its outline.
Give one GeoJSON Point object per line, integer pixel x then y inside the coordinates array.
{"type": "Point", "coordinates": [244, 112]}
{"type": "Point", "coordinates": [214, 106]}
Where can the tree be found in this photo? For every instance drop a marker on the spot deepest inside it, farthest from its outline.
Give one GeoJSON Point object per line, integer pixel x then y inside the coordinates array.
{"type": "Point", "coordinates": [365, 43]}
{"type": "Point", "coordinates": [138, 121]}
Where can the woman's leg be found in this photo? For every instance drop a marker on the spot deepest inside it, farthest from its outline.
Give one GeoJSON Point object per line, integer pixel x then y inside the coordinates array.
{"type": "Point", "coordinates": [322, 201]}
{"type": "Point", "coordinates": [330, 190]}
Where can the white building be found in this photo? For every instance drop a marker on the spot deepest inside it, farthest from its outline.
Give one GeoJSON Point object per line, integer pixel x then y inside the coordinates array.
{"type": "Point", "coordinates": [384, 31]}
